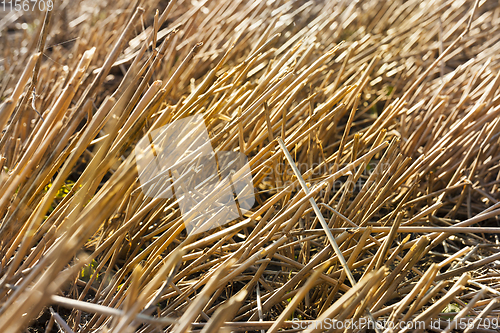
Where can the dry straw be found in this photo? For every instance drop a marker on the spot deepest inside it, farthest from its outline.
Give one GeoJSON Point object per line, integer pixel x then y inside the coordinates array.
{"type": "Point", "coordinates": [371, 130]}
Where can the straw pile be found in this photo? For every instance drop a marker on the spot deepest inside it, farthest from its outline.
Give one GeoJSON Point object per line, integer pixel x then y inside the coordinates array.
{"type": "Point", "coordinates": [370, 125]}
